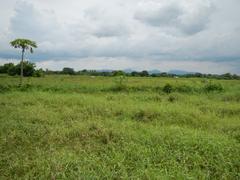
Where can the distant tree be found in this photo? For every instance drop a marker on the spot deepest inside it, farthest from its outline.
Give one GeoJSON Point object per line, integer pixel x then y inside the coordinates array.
{"type": "Point", "coordinates": [12, 71]}
{"type": "Point", "coordinates": [68, 70]}
{"type": "Point", "coordinates": [163, 74]}
{"type": "Point", "coordinates": [118, 73]}
{"type": "Point", "coordinates": [144, 73]}
{"type": "Point", "coordinates": [227, 76]}
{"type": "Point", "coordinates": [5, 68]}
{"type": "Point", "coordinates": [24, 45]}
{"type": "Point", "coordinates": [235, 76]}
{"type": "Point", "coordinates": [197, 75]}
{"type": "Point", "coordinates": [155, 75]}
{"type": "Point", "coordinates": [134, 73]}
{"type": "Point", "coordinates": [1, 70]}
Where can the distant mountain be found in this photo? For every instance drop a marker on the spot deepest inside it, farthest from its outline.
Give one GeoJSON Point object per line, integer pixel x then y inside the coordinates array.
{"type": "Point", "coordinates": [180, 72]}
{"type": "Point", "coordinates": [104, 70]}
{"type": "Point", "coordinates": [128, 70]}
{"type": "Point", "coordinates": [154, 71]}
{"type": "Point", "coordinates": [111, 70]}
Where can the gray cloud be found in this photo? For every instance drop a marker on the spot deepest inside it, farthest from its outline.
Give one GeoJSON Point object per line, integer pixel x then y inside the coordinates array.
{"type": "Point", "coordinates": [153, 30]}
{"type": "Point", "coordinates": [31, 23]}
{"type": "Point", "coordinates": [157, 15]}
{"type": "Point", "coordinates": [111, 30]}
{"type": "Point", "coordinates": [187, 17]}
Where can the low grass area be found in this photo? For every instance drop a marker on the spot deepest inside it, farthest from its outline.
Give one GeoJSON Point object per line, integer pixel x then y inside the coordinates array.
{"type": "Point", "coordinates": [80, 127]}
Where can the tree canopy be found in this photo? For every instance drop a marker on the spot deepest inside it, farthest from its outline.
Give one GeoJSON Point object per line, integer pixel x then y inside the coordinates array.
{"type": "Point", "coordinates": [24, 44]}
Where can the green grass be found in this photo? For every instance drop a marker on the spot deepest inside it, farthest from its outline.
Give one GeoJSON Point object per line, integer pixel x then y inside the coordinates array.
{"type": "Point", "coordinates": [70, 127]}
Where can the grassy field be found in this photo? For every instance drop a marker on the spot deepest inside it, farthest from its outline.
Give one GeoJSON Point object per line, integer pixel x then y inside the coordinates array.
{"type": "Point", "coordinates": [69, 127]}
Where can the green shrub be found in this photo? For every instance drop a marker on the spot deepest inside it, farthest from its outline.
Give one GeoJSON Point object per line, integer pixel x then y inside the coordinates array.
{"type": "Point", "coordinates": [38, 73]}
{"type": "Point", "coordinates": [168, 88]}
{"type": "Point", "coordinates": [210, 87]}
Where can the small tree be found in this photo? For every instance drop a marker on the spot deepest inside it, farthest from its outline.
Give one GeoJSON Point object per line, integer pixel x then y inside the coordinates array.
{"type": "Point", "coordinates": [24, 45]}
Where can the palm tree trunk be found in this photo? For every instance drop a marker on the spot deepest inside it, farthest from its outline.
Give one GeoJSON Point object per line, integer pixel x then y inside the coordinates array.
{"type": "Point", "coordinates": [21, 76]}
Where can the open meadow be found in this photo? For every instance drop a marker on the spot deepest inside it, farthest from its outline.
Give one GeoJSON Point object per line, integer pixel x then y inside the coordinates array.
{"type": "Point", "coordinates": [69, 127]}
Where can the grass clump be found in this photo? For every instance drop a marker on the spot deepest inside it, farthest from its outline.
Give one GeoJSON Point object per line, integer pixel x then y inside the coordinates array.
{"type": "Point", "coordinates": [145, 116]}
{"type": "Point", "coordinates": [4, 88]}
{"type": "Point", "coordinates": [172, 98]}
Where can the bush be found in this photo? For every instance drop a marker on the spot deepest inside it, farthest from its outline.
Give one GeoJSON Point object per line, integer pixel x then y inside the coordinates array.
{"type": "Point", "coordinates": [168, 88]}
{"type": "Point", "coordinates": [38, 73]}
{"type": "Point", "coordinates": [28, 69]}
{"type": "Point", "coordinates": [213, 87]}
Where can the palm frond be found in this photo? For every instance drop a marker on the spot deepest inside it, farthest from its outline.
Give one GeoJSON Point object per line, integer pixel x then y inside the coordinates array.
{"type": "Point", "coordinates": [24, 44]}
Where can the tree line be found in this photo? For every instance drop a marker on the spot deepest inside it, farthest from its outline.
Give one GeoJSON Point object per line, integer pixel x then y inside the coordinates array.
{"type": "Point", "coordinates": [29, 69]}
{"type": "Point", "coordinates": [145, 73]}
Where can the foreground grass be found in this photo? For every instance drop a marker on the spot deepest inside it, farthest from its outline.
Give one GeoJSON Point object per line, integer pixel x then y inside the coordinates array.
{"type": "Point", "coordinates": [61, 127]}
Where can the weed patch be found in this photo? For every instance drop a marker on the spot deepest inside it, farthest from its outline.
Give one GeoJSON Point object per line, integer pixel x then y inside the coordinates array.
{"type": "Point", "coordinates": [145, 116]}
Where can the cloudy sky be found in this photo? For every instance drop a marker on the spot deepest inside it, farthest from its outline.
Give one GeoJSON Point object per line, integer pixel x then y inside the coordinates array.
{"type": "Point", "coordinates": [191, 35]}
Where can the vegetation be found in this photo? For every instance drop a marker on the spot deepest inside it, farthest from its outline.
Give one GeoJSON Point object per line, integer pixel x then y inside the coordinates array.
{"type": "Point", "coordinates": [29, 69]}
{"type": "Point", "coordinates": [24, 45]}
{"type": "Point", "coordinates": [69, 71]}
{"type": "Point", "coordinates": [168, 88]}
{"type": "Point", "coordinates": [4, 69]}
{"type": "Point", "coordinates": [85, 127]}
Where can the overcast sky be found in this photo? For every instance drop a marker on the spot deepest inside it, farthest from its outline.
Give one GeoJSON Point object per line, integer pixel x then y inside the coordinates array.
{"type": "Point", "coordinates": [192, 35]}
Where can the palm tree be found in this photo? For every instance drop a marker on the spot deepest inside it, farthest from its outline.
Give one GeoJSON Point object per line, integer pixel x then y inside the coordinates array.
{"type": "Point", "coordinates": [23, 44]}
